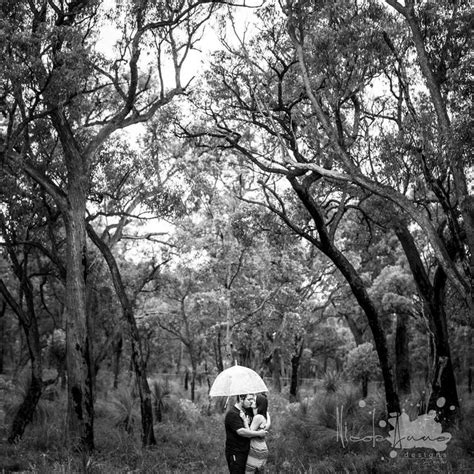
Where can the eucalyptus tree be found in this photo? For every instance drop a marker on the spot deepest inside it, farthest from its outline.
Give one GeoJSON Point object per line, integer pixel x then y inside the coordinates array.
{"type": "Point", "coordinates": [55, 78]}
{"type": "Point", "coordinates": [300, 101]}
{"type": "Point", "coordinates": [425, 151]}
{"type": "Point", "coordinates": [263, 113]}
{"type": "Point", "coordinates": [440, 34]}
{"type": "Point", "coordinates": [128, 189]}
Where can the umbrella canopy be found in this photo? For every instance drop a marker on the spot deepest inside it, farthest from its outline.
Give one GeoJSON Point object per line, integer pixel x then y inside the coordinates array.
{"type": "Point", "coordinates": [237, 380]}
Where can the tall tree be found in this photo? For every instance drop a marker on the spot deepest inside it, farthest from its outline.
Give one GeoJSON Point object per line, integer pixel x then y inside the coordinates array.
{"type": "Point", "coordinates": [54, 77]}
{"type": "Point", "coordinates": [440, 34]}
{"type": "Point", "coordinates": [267, 126]}
{"type": "Point", "coordinates": [306, 112]}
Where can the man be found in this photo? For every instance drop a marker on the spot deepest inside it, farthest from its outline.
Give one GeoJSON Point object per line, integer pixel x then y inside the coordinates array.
{"type": "Point", "coordinates": [237, 443]}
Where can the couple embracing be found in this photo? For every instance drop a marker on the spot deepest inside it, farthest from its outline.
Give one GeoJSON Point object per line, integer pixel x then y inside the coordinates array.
{"type": "Point", "coordinates": [246, 425]}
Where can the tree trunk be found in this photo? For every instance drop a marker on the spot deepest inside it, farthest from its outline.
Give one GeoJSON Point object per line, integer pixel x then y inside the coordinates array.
{"type": "Point", "coordinates": [186, 380]}
{"type": "Point", "coordinates": [25, 412]}
{"type": "Point", "coordinates": [443, 383]}
{"type": "Point", "coordinates": [116, 360]}
{"type": "Point", "coordinates": [276, 365]}
{"type": "Point", "coordinates": [444, 396]}
{"type": "Point", "coordinates": [362, 297]}
{"type": "Point", "coordinates": [357, 333]}
{"type": "Point", "coordinates": [402, 357]}
{"type": "Point", "coordinates": [365, 386]}
{"type": "Point", "coordinates": [465, 199]}
{"type": "Point", "coordinates": [218, 351]}
{"type": "Point", "coordinates": [91, 305]}
{"type": "Point", "coordinates": [193, 385]}
{"type": "Point", "coordinates": [295, 363]}
{"type": "Point", "coordinates": [29, 324]}
{"type": "Point", "coordinates": [193, 371]}
{"type": "Point", "coordinates": [3, 341]}
{"type": "Point", "coordinates": [180, 358]}
{"type": "Point", "coordinates": [138, 362]}
{"type": "Point", "coordinates": [358, 289]}
{"type": "Point", "coordinates": [146, 408]}
{"type": "Point", "coordinates": [80, 415]}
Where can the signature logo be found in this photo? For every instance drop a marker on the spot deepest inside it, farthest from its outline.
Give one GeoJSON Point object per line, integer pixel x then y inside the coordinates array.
{"type": "Point", "coordinates": [423, 432]}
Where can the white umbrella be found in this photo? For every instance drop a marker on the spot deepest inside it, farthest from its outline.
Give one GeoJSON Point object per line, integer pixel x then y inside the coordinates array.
{"type": "Point", "coordinates": [237, 380]}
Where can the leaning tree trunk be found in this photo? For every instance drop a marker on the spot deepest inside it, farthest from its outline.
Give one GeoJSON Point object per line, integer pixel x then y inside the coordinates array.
{"type": "Point", "coordinates": [446, 133]}
{"type": "Point", "coordinates": [26, 410]}
{"type": "Point", "coordinates": [326, 245]}
{"type": "Point", "coordinates": [29, 324]}
{"type": "Point", "coordinates": [402, 355]}
{"type": "Point", "coordinates": [138, 362]}
{"type": "Point", "coordinates": [358, 289]}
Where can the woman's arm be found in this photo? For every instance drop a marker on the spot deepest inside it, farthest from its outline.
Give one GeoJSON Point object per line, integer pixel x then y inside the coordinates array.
{"type": "Point", "coordinates": [269, 421]}
{"type": "Point", "coordinates": [257, 421]}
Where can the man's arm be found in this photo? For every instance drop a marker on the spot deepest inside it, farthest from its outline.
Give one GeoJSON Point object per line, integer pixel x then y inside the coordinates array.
{"type": "Point", "coordinates": [246, 433]}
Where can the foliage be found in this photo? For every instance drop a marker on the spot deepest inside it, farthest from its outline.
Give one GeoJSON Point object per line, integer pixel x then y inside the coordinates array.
{"type": "Point", "coordinates": [331, 381]}
{"type": "Point", "coordinates": [362, 363]}
{"type": "Point", "coordinates": [124, 412]}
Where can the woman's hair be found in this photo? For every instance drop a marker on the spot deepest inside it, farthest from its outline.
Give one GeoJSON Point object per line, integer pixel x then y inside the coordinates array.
{"type": "Point", "coordinates": [262, 404]}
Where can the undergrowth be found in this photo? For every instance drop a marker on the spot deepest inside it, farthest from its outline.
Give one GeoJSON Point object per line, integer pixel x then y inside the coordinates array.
{"type": "Point", "coordinates": [190, 438]}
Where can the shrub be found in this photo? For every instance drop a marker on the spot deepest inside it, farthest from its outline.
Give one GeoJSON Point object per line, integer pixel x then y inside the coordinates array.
{"type": "Point", "coordinates": [362, 365]}
{"type": "Point", "coordinates": [189, 412]}
{"type": "Point", "coordinates": [123, 408]}
{"type": "Point", "coordinates": [332, 381]}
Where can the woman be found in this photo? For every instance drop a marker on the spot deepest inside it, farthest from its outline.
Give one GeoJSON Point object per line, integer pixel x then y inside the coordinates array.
{"type": "Point", "coordinates": [258, 454]}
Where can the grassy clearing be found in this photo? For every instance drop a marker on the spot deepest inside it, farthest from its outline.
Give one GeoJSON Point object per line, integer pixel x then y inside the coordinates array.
{"type": "Point", "coordinates": [190, 439]}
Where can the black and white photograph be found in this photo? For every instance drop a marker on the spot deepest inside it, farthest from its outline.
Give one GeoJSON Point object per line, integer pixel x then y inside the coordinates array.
{"type": "Point", "coordinates": [236, 236]}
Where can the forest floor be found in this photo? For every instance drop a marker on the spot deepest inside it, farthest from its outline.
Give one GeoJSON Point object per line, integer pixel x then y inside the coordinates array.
{"type": "Point", "coordinates": [303, 439]}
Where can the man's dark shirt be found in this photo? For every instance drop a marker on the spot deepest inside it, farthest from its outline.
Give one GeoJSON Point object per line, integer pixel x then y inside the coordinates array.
{"type": "Point", "coordinates": [234, 442]}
